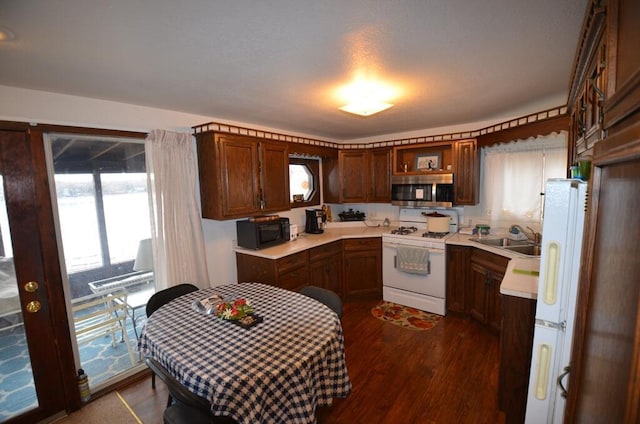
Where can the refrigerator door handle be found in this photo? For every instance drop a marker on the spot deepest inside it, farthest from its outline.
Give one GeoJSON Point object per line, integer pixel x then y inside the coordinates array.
{"type": "Point", "coordinates": [565, 372]}
{"type": "Point", "coordinates": [552, 274]}
{"type": "Point", "coordinates": [543, 371]}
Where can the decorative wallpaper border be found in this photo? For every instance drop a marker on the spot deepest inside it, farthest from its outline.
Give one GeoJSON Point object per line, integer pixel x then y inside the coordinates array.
{"type": "Point", "coordinates": [513, 123]}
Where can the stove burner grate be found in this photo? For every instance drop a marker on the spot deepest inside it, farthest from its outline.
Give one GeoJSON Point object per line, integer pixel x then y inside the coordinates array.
{"type": "Point", "coordinates": [429, 234]}
{"type": "Point", "coordinates": [404, 230]}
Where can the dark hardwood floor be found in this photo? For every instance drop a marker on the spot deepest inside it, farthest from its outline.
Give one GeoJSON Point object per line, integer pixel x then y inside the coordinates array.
{"type": "Point", "coordinates": [448, 374]}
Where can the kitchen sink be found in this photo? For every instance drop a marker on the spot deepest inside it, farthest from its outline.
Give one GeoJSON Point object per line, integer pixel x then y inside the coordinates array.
{"type": "Point", "coordinates": [524, 247]}
{"type": "Point", "coordinates": [502, 242]}
{"type": "Point", "coordinates": [530, 249]}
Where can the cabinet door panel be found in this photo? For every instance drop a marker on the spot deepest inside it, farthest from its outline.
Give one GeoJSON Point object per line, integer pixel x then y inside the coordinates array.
{"type": "Point", "coordinates": [362, 267]}
{"type": "Point", "coordinates": [466, 172]}
{"type": "Point", "coordinates": [317, 274]}
{"type": "Point", "coordinates": [457, 271]}
{"type": "Point", "coordinates": [494, 303]}
{"type": "Point", "coordinates": [254, 268]}
{"type": "Point", "coordinates": [294, 279]}
{"type": "Point", "coordinates": [516, 342]}
{"type": "Point", "coordinates": [327, 273]}
{"type": "Point", "coordinates": [274, 176]}
{"type": "Point", "coordinates": [380, 175]}
{"type": "Point", "coordinates": [478, 293]}
{"type": "Point", "coordinates": [333, 274]}
{"type": "Point", "coordinates": [354, 181]}
{"type": "Point", "coordinates": [239, 174]}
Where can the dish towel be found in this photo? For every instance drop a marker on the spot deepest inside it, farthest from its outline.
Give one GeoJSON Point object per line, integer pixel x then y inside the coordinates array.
{"type": "Point", "coordinates": [414, 260]}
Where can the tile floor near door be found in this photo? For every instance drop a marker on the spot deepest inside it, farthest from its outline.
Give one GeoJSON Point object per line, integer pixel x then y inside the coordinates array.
{"type": "Point", "coordinates": [448, 374]}
{"type": "Point", "coordinates": [99, 358]}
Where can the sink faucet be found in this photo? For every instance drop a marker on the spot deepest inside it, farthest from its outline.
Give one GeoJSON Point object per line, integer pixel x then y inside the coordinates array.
{"type": "Point", "coordinates": [534, 236]}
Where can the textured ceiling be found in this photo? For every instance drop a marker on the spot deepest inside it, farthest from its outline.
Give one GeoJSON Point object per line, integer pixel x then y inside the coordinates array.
{"type": "Point", "coordinates": [277, 63]}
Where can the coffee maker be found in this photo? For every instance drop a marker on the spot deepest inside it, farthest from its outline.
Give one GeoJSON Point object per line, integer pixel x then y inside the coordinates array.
{"type": "Point", "coordinates": [315, 221]}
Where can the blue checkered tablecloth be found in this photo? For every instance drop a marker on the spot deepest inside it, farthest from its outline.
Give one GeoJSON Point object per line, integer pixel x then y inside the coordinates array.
{"type": "Point", "coordinates": [275, 372]}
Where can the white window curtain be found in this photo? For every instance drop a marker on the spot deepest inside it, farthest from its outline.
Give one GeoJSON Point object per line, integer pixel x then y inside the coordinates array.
{"type": "Point", "coordinates": [513, 176]}
{"type": "Point", "coordinates": [178, 242]}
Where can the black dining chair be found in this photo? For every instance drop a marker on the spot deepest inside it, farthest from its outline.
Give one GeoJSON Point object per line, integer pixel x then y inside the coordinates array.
{"type": "Point", "coordinates": [163, 297]}
{"type": "Point", "coordinates": [184, 406]}
{"type": "Point", "coordinates": [322, 295]}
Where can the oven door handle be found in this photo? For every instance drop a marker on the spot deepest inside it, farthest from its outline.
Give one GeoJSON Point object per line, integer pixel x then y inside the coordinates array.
{"type": "Point", "coordinates": [431, 251]}
{"type": "Point", "coordinates": [395, 265]}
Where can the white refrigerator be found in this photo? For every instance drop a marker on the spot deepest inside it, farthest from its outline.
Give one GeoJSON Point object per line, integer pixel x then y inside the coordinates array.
{"type": "Point", "coordinates": [562, 233]}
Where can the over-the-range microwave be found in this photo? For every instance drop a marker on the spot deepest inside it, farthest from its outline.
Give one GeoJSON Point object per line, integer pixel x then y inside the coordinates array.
{"type": "Point", "coordinates": [429, 190]}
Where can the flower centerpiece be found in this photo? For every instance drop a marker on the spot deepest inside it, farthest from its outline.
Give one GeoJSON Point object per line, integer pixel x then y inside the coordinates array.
{"type": "Point", "coordinates": [235, 310]}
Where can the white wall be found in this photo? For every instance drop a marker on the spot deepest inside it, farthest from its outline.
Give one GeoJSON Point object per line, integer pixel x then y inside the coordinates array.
{"type": "Point", "coordinates": [24, 105]}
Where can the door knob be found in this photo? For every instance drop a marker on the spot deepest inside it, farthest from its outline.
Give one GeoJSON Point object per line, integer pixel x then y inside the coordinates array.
{"type": "Point", "coordinates": [31, 286]}
{"type": "Point", "coordinates": [33, 306]}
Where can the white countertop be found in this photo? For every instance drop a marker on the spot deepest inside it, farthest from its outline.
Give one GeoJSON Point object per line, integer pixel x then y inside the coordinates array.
{"type": "Point", "coordinates": [308, 241]}
{"type": "Point", "coordinates": [520, 279]}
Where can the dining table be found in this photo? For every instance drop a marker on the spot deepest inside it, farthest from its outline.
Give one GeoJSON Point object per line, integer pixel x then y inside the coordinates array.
{"type": "Point", "coordinates": [277, 371]}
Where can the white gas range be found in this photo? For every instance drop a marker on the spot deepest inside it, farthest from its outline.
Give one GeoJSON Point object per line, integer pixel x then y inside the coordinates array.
{"type": "Point", "coordinates": [413, 261]}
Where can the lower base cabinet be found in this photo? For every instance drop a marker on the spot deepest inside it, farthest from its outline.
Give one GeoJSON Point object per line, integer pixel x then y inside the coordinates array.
{"type": "Point", "coordinates": [351, 268]}
{"type": "Point", "coordinates": [325, 267]}
{"type": "Point", "coordinates": [484, 300]}
{"type": "Point", "coordinates": [458, 258]}
{"type": "Point", "coordinates": [516, 342]}
{"type": "Point", "coordinates": [473, 284]}
{"type": "Point", "coordinates": [362, 271]}
{"type": "Point", "coordinates": [290, 272]}
{"type": "Point", "coordinates": [473, 289]}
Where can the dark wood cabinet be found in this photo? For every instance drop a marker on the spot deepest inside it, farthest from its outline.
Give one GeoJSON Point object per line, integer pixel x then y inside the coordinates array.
{"type": "Point", "coordinates": [274, 176]}
{"type": "Point", "coordinates": [362, 275]}
{"type": "Point", "coordinates": [466, 171]}
{"type": "Point", "coordinates": [604, 382]}
{"type": "Point", "coordinates": [459, 158]}
{"type": "Point", "coordinates": [473, 284]}
{"type": "Point", "coordinates": [484, 301]}
{"type": "Point", "coordinates": [589, 86]}
{"type": "Point", "coordinates": [241, 175]}
{"type": "Point", "coordinates": [516, 342]}
{"type": "Point", "coordinates": [325, 266]}
{"type": "Point", "coordinates": [406, 157]}
{"type": "Point", "coordinates": [351, 268]}
{"type": "Point", "coordinates": [290, 272]}
{"type": "Point", "coordinates": [380, 176]}
{"type": "Point", "coordinates": [354, 176]}
{"type": "Point", "coordinates": [358, 176]}
{"type": "Point", "coordinates": [458, 258]}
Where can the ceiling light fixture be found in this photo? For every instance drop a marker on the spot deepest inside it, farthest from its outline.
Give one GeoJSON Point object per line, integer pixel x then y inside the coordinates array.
{"type": "Point", "coordinates": [6, 34]}
{"type": "Point", "coordinates": [365, 107]}
{"type": "Point", "coordinates": [366, 97]}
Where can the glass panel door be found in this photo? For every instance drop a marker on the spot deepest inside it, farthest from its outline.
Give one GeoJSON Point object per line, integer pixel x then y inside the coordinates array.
{"type": "Point", "coordinates": [103, 214]}
{"type": "Point", "coordinates": [18, 393]}
{"type": "Point", "coordinates": [31, 382]}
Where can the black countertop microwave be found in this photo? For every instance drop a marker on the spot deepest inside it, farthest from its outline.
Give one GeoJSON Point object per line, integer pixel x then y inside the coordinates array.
{"type": "Point", "coordinates": [262, 232]}
{"type": "Point", "coordinates": [429, 190]}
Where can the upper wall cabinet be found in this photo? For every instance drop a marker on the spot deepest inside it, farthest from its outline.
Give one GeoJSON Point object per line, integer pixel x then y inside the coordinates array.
{"type": "Point", "coordinates": [417, 159]}
{"type": "Point", "coordinates": [242, 175]}
{"type": "Point", "coordinates": [466, 171]}
{"type": "Point", "coordinates": [458, 157]}
{"type": "Point", "coordinates": [358, 176]}
{"type": "Point", "coordinates": [589, 85]}
{"type": "Point", "coordinates": [380, 175]}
